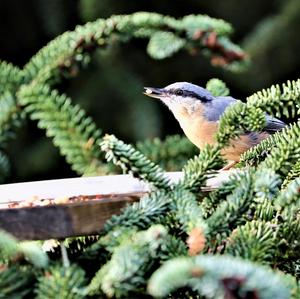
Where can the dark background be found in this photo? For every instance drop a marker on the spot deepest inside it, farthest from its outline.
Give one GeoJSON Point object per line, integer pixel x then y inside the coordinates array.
{"type": "Point", "coordinates": [110, 90]}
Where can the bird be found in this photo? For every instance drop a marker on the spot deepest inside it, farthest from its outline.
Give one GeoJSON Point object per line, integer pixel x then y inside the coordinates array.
{"type": "Point", "coordinates": [198, 113]}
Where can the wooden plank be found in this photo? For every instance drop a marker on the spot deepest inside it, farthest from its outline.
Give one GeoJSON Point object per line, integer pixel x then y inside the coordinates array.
{"type": "Point", "coordinates": [111, 184]}
{"type": "Point", "coordinates": [79, 218]}
{"type": "Point", "coordinates": [64, 220]}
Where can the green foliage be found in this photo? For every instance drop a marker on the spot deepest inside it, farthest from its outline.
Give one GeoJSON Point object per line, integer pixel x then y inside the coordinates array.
{"type": "Point", "coordinates": [10, 117]}
{"type": "Point", "coordinates": [75, 134]}
{"type": "Point", "coordinates": [34, 254]}
{"type": "Point", "coordinates": [259, 152]}
{"type": "Point", "coordinates": [217, 87]}
{"type": "Point", "coordinates": [124, 274]}
{"type": "Point", "coordinates": [8, 246]}
{"type": "Point", "coordinates": [217, 277]}
{"type": "Point", "coordinates": [150, 209]}
{"type": "Point", "coordinates": [253, 241]}
{"type": "Point", "coordinates": [288, 198]}
{"type": "Point", "coordinates": [15, 282]}
{"type": "Point", "coordinates": [278, 100]}
{"type": "Point", "coordinates": [187, 211]}
{"type": "Point", "coordinates": [237, 119]}
{"type": "Point", "coordinates": [292, 175]}
{"type": "Point", "coordinates": [10, 77]}
{"type": "Point", "coordinates": [10, 249]}
{"type": "Point", "coordinates": [70, 50]}
{"type": "Point", "coordinates": [171, 154]}
{"type": "Point", "coordinates": [286, 153]}
{"type": "Point", "coordinates": [133, 162]}
{"type": "Point", "coordinates": [61, 282]}
{"type": "Point", "coordinates": [164, 44]}
{"type": "Point", "coordinates": [231, 212]}
{"type": "Point", "coordinates": [200, 168]}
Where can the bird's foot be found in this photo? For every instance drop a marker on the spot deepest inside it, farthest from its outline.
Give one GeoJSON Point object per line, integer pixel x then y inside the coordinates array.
{"type": "Point", "coordinates": [229, 165]}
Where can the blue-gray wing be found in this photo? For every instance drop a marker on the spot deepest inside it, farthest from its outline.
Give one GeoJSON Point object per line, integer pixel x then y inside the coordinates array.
{"type": "Point", "coordinates": [273, 124]}
{"type": "Point", "coordinates": [214, 111]}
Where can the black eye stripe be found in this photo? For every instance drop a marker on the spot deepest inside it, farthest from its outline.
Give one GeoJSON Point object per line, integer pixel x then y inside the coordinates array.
{"type": "Point", "coordinates": [188, 93]}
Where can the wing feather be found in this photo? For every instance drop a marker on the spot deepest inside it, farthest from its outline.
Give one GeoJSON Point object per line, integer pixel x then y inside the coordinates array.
{"type": "Point", "coordinates": [273, 124]}
{"type": "Point", "coordinates": [218, 106]}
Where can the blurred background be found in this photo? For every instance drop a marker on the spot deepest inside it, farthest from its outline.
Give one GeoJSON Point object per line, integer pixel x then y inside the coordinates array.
{"type": "Point", "coordinates": [110, 90]}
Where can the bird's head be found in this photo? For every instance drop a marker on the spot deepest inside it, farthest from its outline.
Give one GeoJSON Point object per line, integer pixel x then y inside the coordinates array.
{"type": "Point", "coordinates": [181, 95]}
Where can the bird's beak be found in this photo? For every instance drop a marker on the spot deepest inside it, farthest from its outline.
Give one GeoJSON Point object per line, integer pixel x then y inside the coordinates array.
{"type": "Point", "coordinates": [153, 92]}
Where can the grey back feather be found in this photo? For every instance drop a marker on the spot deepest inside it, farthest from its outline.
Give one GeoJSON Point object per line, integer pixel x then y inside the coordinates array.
{"type": "Point", "coordinates": [215, 109]}
{"type": "Point", "coordinates": [273, 124]}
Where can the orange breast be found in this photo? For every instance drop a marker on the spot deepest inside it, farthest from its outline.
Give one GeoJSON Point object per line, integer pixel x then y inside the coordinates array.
{"type": "Point", "coordinates": [196, 128]}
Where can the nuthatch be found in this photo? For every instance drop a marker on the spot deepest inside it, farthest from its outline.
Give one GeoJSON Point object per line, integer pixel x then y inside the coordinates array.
{"type": "Point", "coordinates": [198, 113]}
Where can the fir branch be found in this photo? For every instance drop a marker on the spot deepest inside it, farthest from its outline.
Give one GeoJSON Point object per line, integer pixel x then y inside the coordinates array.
{"type": "Point", "coordinates": [11, 117]}
{"type": "Point", "coordinates": [231, 212]}
{"type": "Point", "coordinates": [8, 246]}
{"type": "Point", "coordinates": [292, 268]}
{"type": "Point", "coordinates": [278, 100]}
{"type": "Point", "coordinates": [73, 133]}
{"type": "Point", "coordinates": [253, 188]}
{"type": "Point", "coordinates": [65, 54]}
{"type": "Point", "coordinates": [116, 237]}
{"type": "Point", "coordinates": [171, 153]}
{"type": "Point", "coordinates": [288, 243]}
{"type": "Point", "coordinates": [287, 223]}
{"type": "Point", "coordinates": [11, 77]}
{"type": "Point", "coordinates": [258, 153]}
{"type": "Point", "coordinates": [149, 210]}
{"type": "Point", "coordinates": [286, 153]}
{"type": "Point", "coordinates": [125, 273]}
{"type": "Point", "coordinates": [16, 282]}
{"type": "Point", "coordinates": [238, 119]}
{"type": "Point", "coordinates": [266, 188]}
{"type": "Point", "coordinates": [187, 211]}
{"type": "Point", "coordinates": [254, 241]}
{"type": "Point", "coordinates": [212, 200]}
{"type": "Point", "coordinates": [293, 174]}
{"type": "Point", "coordinates": [76, 245]}
{"type": "Point", "coordinates": [266, 185]}
{"type": "Point", "coordinates": [279, 150]}
{"type": "Point", "coordinates": [166, 279]}
{"type": "Point", "coordinates": [65, 282]}
{"type": "Point", "coordinates": [164, 44]}
{"type": "Point", "coordinates": [133, 162]}
{"type": "Point", "coordinates": [11, 249]}
{"type": "Point", "coordinates": [217, 87]}
{"type": "Point", "coordinates": [33, 253]}
{"type": "Point", "coordinates": [200, 168]}
{"type": "Point", "coordinates": [262, 210]}
{"type": "Point", "coordinates": [172, 247]}
{"type": "Point", "coordinates": [249, 117]}
{"type": "Point", "coordinates": [288, 199]}
{"type": "Point", "coordinates": [218, 277]}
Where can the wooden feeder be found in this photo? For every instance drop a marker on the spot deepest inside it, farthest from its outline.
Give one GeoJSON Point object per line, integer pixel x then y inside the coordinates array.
{"type": "Point", "coordinates": [72, 207]}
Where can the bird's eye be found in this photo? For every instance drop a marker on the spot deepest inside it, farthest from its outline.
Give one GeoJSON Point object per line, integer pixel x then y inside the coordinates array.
{"type": "Point", "coordinates": [179, 92]}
